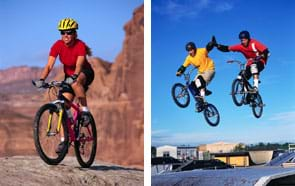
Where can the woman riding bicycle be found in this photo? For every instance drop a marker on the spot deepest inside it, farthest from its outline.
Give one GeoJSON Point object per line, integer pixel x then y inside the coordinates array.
{"type": "Point", "coordinates": [78, 72]}
{"type": "Point", "coordinates": [255, 52]}
{"type": "Point", "coordinates": [206, 68]}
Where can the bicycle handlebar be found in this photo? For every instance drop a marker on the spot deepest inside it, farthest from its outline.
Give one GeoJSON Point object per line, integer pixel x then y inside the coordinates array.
{"type": "Point", "coordinates": [241, 64]}
{"type": "Point", "coordinates": [52, 84]}
{"type": "Point", "coordinates": [234, 61]}
{"type": "Point", "coordinates": [188, 73]}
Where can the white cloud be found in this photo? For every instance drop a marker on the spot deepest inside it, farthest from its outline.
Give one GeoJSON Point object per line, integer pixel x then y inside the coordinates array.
{"type": "Point", "coordinates": [223, 6]}
{"type": "Point", "coordinates": [178, 9]}
{"type": "Point", "coordinates": [284, 117]}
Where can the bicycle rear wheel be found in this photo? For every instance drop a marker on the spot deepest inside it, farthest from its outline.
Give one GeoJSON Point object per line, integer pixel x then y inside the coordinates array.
{"type": "Point", "coordinates": [85, 146]}
{"type": "Point", "coordinates": [211, 115]}
{"type": "Point", "coordinates": [257, 105]}
{"type": "Point", "coordinates": [180, 95]}
{"type": "Point", "coordinates": [237, 92]}
{"type": "Point", "coordinates": [46, 136]}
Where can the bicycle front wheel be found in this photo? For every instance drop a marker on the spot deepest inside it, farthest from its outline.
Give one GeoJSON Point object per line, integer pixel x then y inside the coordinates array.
{"type": "Point", "coordinates": [237, 92]}
{"type": "Point", "coordinates": [180, 95]}
{"type": "Point", "coordinates": [211, 115]}
{"type": "Point", "coordinates": [46, 135]}
{"type": "Point", "coordinates": [257, 105]}
{"type": "Point", "coordinates": [85, 145]}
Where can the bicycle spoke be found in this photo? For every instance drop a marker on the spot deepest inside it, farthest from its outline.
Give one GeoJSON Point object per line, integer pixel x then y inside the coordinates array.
{"type": "Point", "coordinates": [180, 95]}
{"type": "Point", "coordinates": [85, 147]}
{"type": "Point", "coordinates": [46, 136]}
{"type": "Point", "coordinates": [211, 115]}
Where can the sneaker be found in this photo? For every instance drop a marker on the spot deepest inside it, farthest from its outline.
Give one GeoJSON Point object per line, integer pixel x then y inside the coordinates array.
{"type": "Point", "coordinates": [208, 92]}
{"type": "Point", "coordinates": [247, 99]}
{"type": "Point", "coordinates": [85, 119]}
{"type": "Point", "coordinates": [250, 98]}
{"type": "Point", "coordinates": [200, 104]}
{"type": "Point", "coordinates": [60, 147]}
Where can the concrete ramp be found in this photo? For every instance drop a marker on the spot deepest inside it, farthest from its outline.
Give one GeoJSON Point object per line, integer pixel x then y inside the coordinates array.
{"type": "Point", "coordinates": [261, 156]}
{"type": "Point", "coordinates": [257, 176]}
{"type": "Point", "coordinates": [284, 158]}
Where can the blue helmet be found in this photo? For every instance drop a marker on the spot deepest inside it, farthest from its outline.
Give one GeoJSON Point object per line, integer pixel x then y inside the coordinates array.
{"type": "Point", "coordinates": [244, 35]}
{"type": "Point", "coordinates": [189, 46]}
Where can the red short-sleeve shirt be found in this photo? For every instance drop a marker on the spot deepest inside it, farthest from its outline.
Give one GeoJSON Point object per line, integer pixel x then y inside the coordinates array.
{"type": "Point", "coordinates": [253, 49]}
{"type": "Point", "coordinates": [69, 55]}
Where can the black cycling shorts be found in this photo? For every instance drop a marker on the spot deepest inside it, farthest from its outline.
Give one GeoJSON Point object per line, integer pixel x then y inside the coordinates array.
{"type": "Point", "coordinates": [89, 73]}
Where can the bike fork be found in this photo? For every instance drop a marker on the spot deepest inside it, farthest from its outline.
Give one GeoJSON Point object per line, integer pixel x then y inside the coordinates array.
{"type": "Point", "coordinates": [50, 122]}
{"type": "Point", "coordinates": [59, 120]}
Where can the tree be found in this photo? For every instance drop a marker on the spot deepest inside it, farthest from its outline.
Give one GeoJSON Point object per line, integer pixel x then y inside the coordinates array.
{"type": "Point", "coordinates": [240, 147]}
{"type": "Point", "coordinates": [154, 151]}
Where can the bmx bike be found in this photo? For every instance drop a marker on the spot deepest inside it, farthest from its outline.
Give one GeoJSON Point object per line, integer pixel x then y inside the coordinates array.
{"type": "Point", "coordinates": [243, 93]}
{"type": "Point", "coordinates": [181, 96]}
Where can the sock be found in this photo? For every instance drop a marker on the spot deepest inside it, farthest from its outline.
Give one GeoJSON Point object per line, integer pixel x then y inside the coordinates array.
{"type": "Point", "coordinates": [85, 109]}
{"type": "Point", "coordinates": [62, 139]}
{"type": "Point", "coordinates": [69, 112]}
{"type": "Point", "coordinates": [256, 82]}
{"type": "Point", "coordinates": [202, 92]}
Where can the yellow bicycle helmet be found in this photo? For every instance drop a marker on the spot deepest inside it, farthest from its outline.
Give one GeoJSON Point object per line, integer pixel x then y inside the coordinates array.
{"type": "Point", "coordinates": [67, 24]}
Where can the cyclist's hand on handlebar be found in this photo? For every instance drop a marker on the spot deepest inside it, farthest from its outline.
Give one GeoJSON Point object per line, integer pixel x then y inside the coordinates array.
{"type": "Point", "coordinates": [70, 80]}
{"type": "Point", "coordinates": [257, 58]}
{"type": "Point", "coordinates": [178, 73]}
{"type": "Point", "coordinates": [180, 70]}
{"type": "Point", "coordinates": [39, 83]}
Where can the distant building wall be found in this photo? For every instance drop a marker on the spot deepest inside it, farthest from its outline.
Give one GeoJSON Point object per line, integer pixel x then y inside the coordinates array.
{"type": "Point", "coordinates": [238, 161]}
{"type": "Point", "coordinates": [235, 159]}
{"type": "Point", "coordinates": [167, 150]}
{"type": "Point", "coordinates": [186, 152]}
{"type": "Point", "coordinates": [219, 147]}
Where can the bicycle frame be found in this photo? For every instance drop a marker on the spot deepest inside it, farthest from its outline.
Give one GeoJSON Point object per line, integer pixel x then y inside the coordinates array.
{"type": "Point", "coordinates": [58, 122]}
{"type": "Point", "coordinates": [72, 125]}
{"type": "Point", "coordinates": [188, 82]}
{"type": "Point", "coordinates": [181, 97]}
{"type": "Point", "coordinates": [241, 75]}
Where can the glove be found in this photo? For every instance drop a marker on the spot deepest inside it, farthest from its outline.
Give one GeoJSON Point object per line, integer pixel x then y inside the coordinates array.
{"type": "Point", "coordinates": [180, 70]}
{"type": "Point", "coordinates": [39, 83]}
{"type": "Point", "coordinates": [258, 58]}
{"type": "Point", "coordinates": [213, 41]}
{"type": "Point", "coordinates": [70, 80]}
{"type": "Point", "coordinates": [178, 73]}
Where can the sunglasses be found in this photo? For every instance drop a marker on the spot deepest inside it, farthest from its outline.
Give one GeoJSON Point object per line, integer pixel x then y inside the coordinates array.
{"type": "Point", "coordinates": [68, 32]}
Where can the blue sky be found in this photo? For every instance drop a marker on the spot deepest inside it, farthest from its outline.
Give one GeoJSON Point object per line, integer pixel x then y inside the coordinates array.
{"type": "Point", "coordinates": [29, 28]}
{"type": "Point", "coordinates": [175, 22]}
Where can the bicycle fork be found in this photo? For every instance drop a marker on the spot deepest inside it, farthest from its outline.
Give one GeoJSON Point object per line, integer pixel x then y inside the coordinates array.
{"type": "Point", "coordinates": [60, 115]}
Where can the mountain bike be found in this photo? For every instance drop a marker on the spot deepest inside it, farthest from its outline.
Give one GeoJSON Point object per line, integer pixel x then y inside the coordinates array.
{"type": "Point", "coordinates": [49, 120]}
{"type": "Point", "coordinates": [243, 93]}
{"type": "Point", "coordinates": [180, 95]}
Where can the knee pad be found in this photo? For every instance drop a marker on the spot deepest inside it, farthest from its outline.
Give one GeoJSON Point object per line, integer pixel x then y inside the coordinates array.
{"type": "Point", "coordinates": [254, 68]}
{"type": "Point", "coordinates": [200, 82]}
